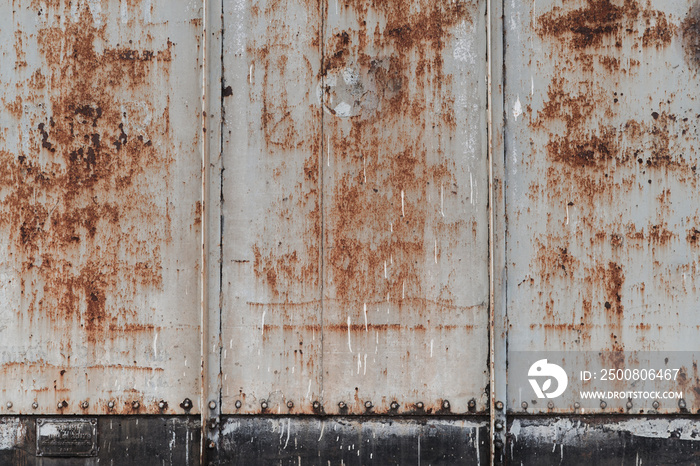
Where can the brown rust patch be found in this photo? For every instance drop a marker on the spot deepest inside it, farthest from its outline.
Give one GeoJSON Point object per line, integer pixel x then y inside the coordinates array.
{"type": "Point", "coordinates": [76, 204]}
{"type": "Point", "coordinates": [602, 22]}
{"type": "Point", "coordinates": [690, 28]}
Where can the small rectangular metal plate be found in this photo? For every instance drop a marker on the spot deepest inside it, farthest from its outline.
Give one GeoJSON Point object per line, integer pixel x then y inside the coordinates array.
{"type": "Point", "coordinates": [66, 437]}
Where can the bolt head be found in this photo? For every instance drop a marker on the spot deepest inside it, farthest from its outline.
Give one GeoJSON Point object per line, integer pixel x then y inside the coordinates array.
{"type": "Point", "coordinates": [317, 405]}
{"type": "Point", "coordinates": [368, 404]}
{"type": "Point", "coordinates": [655, 404]}
{"type": "Point", "coordinates": [681, 403]}
{"type": "Point", "coordinates": [60, 405]}
{"type": "Point", "coordinates": [577, 405]}
{"type": "Point", "coordinates": [472, 404]}
{"type": "Point", "coordinates": [162, 404]}
{"type": "Point", "coordinates": [290, 404]}
{"type": "Point", "coordinates": [9, 405]}
{"type": "Point", "coordinates": [603, 404]}
{"type": "Point", "coordinates": [211, 445]}
{"type": "Point", "coordinates": [498, 425]}
{"type": "Point", "coordinates": [263, 404]}
{"type": "Point", "coordinates": [110, 405]}
{"type": "Point", "coordinates": [212, 404]}
{"type": "Point", "coordinates": [342, 405]}
{"type": "Point", "coordinates": [524, 405]}
{"type": "Point", "coordinates": [420, 405]}
{"type": "Point", "coordinates": [84, 405]}
{"type": "Point", "coordinates": [35, 405]}
{"type": "Point", "coordinates": [238, 404]}
{"type": "Point", "coordinates": [550, 405]}
{"type": "Point", "coordinates": [445, 404]}
{"type": "Point", "coordinates": [394, 405]}
{"type": "Point", "coordinates": [186, 404]}
{"type": "Point", "coordinates": [136, 405]}
{"type": "Point", "coordinates": [629, 405]}
{"type": "Point", "coordinates": [499, 405]}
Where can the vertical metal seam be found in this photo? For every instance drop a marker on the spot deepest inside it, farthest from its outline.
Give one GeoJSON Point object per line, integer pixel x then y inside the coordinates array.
{"type": "Point", "coordinates": [492, 320]}
{"type": "Point", "coordinates": [204, 311]}
{"type": "Point", "coordinates": [322, 7]}
{"type": "Point", "coordinates": [221, 224]}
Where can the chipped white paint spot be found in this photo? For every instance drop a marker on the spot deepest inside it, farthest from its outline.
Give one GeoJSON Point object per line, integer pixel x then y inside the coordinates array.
{"type": "Point", "coordinates": [517, 109]}
{"type": "Point", "coordinates": [464, 46]}
{"type": "Point", "coordinates": [343, 109]}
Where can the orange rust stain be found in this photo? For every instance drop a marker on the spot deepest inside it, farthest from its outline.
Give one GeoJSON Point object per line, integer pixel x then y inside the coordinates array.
{"type": "Point", "coordinates": [75, 204]}
{"type": "Point", "coordinates": [390, 150]}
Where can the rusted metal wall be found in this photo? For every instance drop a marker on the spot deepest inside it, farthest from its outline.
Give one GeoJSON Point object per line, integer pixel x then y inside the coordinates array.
{"type": "Point", "coordinates": [601, 157]}
{"type": "Point", "coordinates": [99, 206]}
{"type": "Point", "coordinates": [355, 208]}
{"type": "Point", "coordinates": [292, 217]}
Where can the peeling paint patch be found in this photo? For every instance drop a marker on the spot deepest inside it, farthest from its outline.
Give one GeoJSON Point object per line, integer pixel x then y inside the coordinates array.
{"type": "Point", "coordinates": [12, 433]}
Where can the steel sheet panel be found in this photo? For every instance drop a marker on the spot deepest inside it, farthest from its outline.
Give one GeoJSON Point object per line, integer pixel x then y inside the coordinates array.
{"type": "Point", "coordinates": [271, 261]}
{"type": "Point", "coordinates": [405, 207]}
{"type": "Point", "coordinates": [99, 206]}
{"type": "Point", "coordinates": [601, 158]}
{"type": "Point", "coordinates": [355, 207]}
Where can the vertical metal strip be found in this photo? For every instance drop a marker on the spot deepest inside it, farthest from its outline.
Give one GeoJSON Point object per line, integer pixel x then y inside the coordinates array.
{"type": "Point", "coordinates": [212, 170]}
{"type": "Point", "coordinates": [497, 227]}
{"type": "Point", "coordinates": [204, 278]}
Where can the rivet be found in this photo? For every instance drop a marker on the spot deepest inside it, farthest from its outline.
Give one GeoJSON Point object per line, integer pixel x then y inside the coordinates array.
{"type": "Point", "coordinates": [550, 405]}
{"type": "Point", "coordinates": [498, 425]}
{"type": "Point", "coordinates": [445, 405]}
{"type": "Point", "coordinates": [136, 405]}
{"type": "Point", "coordinates": [681, 403]}
{"type": "Point", "coordinates": [162, 404]}
{"type": "Point", "coordinates": [317, 405]}
{"type": "Point", "coordinates": [211, 445]}
{"type": "Point", "coordinates": [655, 404]}
{"type": "Point", "coordinates": [85, 404]}
{"type": "Point", "coordinates": [263, 404]}
{"type": "Point", "coordinates": [472, 404]}
{"type": "Point", "coordinates": [238, 404]}
{"type": "Point", "coordinates": [342, 405]}
{"type": "Point", "coordinates": [420, 405]}
{"type": "Point", "coordinates": [368, 404]}
{"type": "Point", "coordinates": [524, 405]}
{"type": "Point", "coordinates": [212, 404]}
{"type": "Point", "coordinates": [629, 405]}
{"type": "Point", "coordinates": [186, 404]}
{"type": "Point", "coordinates": [9, 405]}
{"type": "Point", "coordinates": [290, 404]}
{"type": "Point", "coordinates": [110, 405]}
{"type": "Point", "coordinates": [35, 405]}
{"type": "Point", "coordinates": [603, 404]}
{"type": "Point", "coordinates": [577, 405]}
{"type": "Point", "coordinates": [499, 405]}
{"type": "Point", "coordinates": [394, 405]}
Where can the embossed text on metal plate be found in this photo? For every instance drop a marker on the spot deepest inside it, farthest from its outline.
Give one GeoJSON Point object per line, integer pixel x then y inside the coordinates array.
{"type": "Point", "coordinates": [66, 437]}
